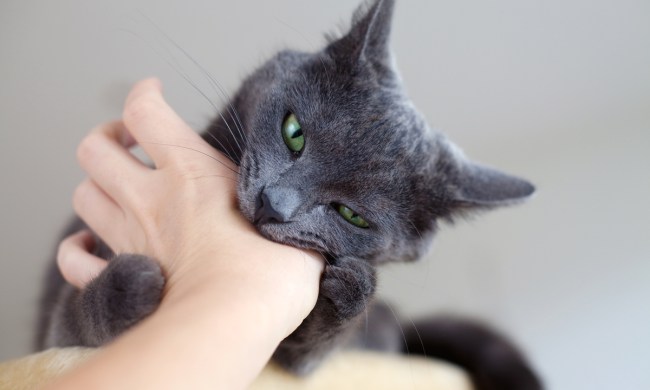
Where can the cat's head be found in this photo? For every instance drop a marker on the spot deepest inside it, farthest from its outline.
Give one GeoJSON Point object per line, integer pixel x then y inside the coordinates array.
{"type": "Point", "coordinates": [337, 158]}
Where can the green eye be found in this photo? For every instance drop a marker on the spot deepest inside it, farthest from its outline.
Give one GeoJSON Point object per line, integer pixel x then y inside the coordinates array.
{"type": "Point", "coordinates": [292, 134]}
{"type": "Point", "coordinates": [350, 216]}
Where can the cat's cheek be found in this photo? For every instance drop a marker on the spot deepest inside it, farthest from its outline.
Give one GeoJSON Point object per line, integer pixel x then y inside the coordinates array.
{"type": "Point", "coordinates": [247, 208]}
{"type": "Point", "coordinates": [246, 203]}
{"type": "Point", "coordinates": [275, 233]}
{"type": "Point", "coordinates": [246, 199]}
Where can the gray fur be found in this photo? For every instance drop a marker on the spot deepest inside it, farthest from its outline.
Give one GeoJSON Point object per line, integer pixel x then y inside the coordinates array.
{"type": "Point", "coordinates": [366, 147]}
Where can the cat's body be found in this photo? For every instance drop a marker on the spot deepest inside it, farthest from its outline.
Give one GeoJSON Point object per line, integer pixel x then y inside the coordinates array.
{"type": "Point", "coordinates": [333, 157]}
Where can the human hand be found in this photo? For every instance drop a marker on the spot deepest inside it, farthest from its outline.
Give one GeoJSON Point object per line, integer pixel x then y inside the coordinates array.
{"type": "Point", "coordinates": [182, 213]}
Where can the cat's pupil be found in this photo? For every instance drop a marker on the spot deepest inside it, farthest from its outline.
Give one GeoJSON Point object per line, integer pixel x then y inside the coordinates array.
{"type": "Point", "coordinates": [352, 217]}
{"type": "Point", "coordinates": [297, 133]}
{"type": "Point", "coordinates": [292, 134]}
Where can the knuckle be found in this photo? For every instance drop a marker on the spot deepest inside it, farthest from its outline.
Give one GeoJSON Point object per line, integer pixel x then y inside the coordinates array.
{"type": "Point", "coordinates": [61, 252]}
{"type": "Point", "coordinates": [85, 149]}
{"type": "Point", "coordinates": [188, 167]}
{"type": "Point", "coordinates": [137, 110]}
{"type": "Point", "coordinates": [63, 260]}
{"type": "Point", "coordinates": [79, 198]}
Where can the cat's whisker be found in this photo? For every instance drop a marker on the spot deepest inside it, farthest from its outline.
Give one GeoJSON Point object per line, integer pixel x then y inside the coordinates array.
{"type": "Point", "coordinates": [213, 82]}
{"type": "Point", "coordinates": [401, 329]}
{"type": "Point", "coordinates": [416, 229]}
{"type": "Point", "coordinates": [365, 312]}
{"type": "Point", "coordinates": [171, 61]}
{"type": "Point", "coordinates": [197, 151]}
{"type": "Point", "coordinates": [211, 176]}
{"type": "Point", "coordinates": [226, 150]}
{"type": "Point", "coordinates": [216, 109]}
{"type": "Point", "coordinates": [417, 332]}
{"type": "Point", "coordinates": [226, 99]}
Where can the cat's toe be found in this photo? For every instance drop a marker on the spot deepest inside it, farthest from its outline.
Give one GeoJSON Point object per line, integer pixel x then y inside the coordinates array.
{"type": "Point", "coordinates": [135, 288]}
{"type": "Point", "coordinates": [349, 286]}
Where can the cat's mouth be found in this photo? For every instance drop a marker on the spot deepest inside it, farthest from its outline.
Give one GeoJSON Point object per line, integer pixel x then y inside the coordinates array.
{"type": "Point", "coordinates": [277, 232]}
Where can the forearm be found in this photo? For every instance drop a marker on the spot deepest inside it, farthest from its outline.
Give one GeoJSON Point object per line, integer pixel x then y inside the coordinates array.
{"type": "Point", "coordinates": [217, 332]}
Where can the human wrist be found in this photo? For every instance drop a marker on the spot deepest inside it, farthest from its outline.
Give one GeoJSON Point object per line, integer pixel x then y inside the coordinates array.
{"type": "Point", "coordinates": [279, 284]}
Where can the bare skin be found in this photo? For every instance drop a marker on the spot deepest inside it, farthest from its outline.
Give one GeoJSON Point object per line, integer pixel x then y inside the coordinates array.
{"type": "Point", "coordinates": [231, 296]}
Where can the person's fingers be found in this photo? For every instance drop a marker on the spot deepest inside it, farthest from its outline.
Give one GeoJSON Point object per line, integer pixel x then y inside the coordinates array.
{"type": "Point", "coordinates": [156, 127]}
{"type": "Point", "coordinates": [77, 265]}
{"type": "Point", "coordinates": [101, 214]}
{"type": "Point", "coordinates": [102, 154]}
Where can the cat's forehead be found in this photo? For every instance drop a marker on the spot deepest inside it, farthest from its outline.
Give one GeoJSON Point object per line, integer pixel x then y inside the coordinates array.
{"type": "Point", "coordinates": [346, 107]}
{"type": "Point", "coordinates": [362, 136]}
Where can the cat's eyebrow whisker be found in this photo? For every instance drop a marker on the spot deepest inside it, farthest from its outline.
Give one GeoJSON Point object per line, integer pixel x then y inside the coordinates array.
{"type": "Point", "coordinates": [197, 151]}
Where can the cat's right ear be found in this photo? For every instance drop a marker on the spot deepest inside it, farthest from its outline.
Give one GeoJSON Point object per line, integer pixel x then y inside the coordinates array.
{"type": "Point", "coordinates": [367, 40]}
{"type": "Point", "coordinates": [478, 186]}
{"type": "Point", "coordinates": [474, 187]}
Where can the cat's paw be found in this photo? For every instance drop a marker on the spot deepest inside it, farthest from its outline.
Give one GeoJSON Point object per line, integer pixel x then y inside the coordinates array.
{"type": "Point", "coordinates": [132, 289]}
{"type": "Point", "coordinates": [348, 285]}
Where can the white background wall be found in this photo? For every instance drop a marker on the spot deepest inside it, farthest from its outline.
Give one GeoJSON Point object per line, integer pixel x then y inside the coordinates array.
{"type": "Point", "coordinates": [556, 91]}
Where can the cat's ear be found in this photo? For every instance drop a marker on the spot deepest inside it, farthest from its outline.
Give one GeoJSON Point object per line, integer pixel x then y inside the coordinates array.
{"type": "Point", "coordinates": [367, 39]}
{"type": "Point", "coordinates": [478, 186]}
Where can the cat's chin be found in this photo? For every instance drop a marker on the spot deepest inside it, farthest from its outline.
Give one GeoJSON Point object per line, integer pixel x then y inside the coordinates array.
{"type": "Point", "coordinates": [278, 232]}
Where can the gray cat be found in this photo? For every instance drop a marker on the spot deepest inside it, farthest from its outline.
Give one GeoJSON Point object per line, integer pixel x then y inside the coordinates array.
{"type": "Point", "coordinates": [333, 157]}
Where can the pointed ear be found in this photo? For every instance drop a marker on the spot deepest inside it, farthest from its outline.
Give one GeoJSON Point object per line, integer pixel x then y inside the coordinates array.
{"type": "Point", "coordinates": [368, 37]}
{"type": "Point", "coordinates": [477, 186]}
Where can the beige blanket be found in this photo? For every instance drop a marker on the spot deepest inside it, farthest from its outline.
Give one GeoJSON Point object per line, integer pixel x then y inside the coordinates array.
{"type": "Point", "coordinates": [347, 370]}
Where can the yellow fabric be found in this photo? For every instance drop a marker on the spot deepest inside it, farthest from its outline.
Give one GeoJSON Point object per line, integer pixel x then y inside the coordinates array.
{"type": "Point", "coordinates": [346, 370]}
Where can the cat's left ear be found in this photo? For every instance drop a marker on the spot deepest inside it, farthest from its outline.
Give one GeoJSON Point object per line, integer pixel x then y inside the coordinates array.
{"type": "Point", "coordinates": [478, 186]}
{"type": "Point", "coordinates": [368, 38]}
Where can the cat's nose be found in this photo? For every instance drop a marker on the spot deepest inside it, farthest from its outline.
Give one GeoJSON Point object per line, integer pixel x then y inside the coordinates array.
{"type": "Point", "coordinates": [266, 213]}
{"type": "Point", "coordinates": [276, 205]}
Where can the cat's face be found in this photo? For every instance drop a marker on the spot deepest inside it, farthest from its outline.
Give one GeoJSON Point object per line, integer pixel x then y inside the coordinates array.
{"type": "Point", "coordinates": [338, 160]}
{"type": "Point", "coordinates": [346, 183]}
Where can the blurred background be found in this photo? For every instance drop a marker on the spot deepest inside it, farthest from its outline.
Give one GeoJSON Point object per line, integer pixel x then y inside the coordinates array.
{"type": "Point", "coordinates": [554, 91]}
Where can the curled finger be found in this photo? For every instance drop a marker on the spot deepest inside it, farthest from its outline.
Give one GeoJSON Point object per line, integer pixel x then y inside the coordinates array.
{"type": "Point", "coordinates": [75, 259]}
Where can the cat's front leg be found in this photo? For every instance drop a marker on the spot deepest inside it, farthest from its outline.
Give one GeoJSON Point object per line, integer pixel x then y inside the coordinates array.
{"type": "Point", "coordinates": [346, 288]}
{"type": "Point", "coordinates": [127, 291]}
